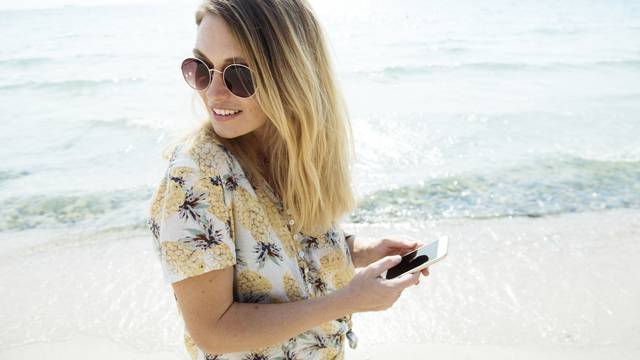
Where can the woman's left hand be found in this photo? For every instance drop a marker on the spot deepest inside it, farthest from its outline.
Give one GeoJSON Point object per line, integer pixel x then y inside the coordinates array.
{"type": "Point", "coordinates": [366, 253]}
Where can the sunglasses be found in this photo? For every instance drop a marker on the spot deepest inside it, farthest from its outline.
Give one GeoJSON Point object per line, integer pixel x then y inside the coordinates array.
{"type": "Point", "coordinates": [237, 77]}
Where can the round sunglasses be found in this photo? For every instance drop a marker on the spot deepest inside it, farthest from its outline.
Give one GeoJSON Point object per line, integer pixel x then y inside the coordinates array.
{"type": "Point", "coordinates": [237, 77]}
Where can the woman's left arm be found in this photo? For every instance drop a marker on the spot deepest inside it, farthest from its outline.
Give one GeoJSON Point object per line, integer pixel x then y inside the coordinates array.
{"type": "Point", "coordinates": [364, 253]}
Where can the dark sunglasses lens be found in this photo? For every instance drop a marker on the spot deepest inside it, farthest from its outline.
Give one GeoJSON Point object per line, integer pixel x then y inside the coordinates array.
{"type": "Point", "coordinates": [238, 80]}
{"type": "Point", "coordinates": [195, 73]}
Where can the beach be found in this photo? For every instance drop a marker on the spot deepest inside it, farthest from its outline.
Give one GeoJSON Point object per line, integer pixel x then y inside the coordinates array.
{"type": "Point", "coordinates": [510, 127]}
{"type": "Point", "coordinates": [558, 287]}
{"type": "Point", "coordinates": [102, 349]}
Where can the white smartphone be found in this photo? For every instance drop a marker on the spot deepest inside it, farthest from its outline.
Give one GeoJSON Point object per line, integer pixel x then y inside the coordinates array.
{"type": "Point", "coordinates": [419, 258]}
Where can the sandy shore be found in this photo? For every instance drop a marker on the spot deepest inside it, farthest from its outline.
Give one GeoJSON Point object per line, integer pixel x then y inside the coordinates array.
{"type": "Point", "coordinates": [83, 347]}
{"type": "Point", "coordinates": [97, 348]}
{"type": "Point", "coordinates": [560, 287]}
{"type": "Point", "coordinates": [460, 352]}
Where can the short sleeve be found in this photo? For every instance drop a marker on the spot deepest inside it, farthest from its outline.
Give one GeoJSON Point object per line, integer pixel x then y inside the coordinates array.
{"type": "Point", "coordinates": [348, 237]}
{"type": "Point", "coordinates": [191, 223]}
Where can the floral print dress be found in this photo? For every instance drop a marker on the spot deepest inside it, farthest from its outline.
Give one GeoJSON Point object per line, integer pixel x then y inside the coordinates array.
{"type": "Point", "coordinates": [206, 215]}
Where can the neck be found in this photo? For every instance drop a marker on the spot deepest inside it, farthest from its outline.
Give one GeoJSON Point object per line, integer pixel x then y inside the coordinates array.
{"type": "Point", "coordinates": [262, 155]}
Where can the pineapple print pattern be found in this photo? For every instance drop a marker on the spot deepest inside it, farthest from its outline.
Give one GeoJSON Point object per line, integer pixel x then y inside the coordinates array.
{"type": "Point", "coordinates": [277, 222]}
{"type": "Point", "coordinates": [252, 216]}
{"type": "Point", "coordinates": [190, 346]}
{"type": "Point", "coordinates": [175, 194]}
{"type": "Point", "coordinates": [252, 287]}
{"type": "Point", "coordinates": [292, 288]}
{"type": "Point", "coordinates": [205, 215]}
{"type": "Point", "coordinates": [182, 259]}
{"type": "Point", "coordinates": [211, 183]}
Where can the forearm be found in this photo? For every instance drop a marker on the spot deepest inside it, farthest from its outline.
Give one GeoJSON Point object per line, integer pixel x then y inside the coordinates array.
{"type": "Point", "coordinates": [247, 326]}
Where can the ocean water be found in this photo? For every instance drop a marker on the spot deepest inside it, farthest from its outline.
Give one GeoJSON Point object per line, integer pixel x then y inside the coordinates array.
{"type": "Point", "coordinates": [462, 112]}
{"type": "Point", "coordinates": [502, 109]}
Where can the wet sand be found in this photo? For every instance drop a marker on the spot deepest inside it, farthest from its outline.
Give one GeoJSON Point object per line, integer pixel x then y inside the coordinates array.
{"type": "Point", "coordinates": [554, 287]}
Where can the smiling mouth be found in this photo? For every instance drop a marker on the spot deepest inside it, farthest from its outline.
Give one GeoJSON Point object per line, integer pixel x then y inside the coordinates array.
{"type": "Point", "coordinates": [226, 115]}
{"type": "Point", "coordinates": [220, 117]}
{"type": "Point", "coordinates": [224, 112]}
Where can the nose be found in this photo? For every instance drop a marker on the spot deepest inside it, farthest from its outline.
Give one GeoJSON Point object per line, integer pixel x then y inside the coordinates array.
{"type": "Point", "coordinates": [217, 89]}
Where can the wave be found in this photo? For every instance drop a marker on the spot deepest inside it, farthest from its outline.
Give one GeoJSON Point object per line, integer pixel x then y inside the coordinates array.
{"type": "Point", "coordinates": [24, 62]}
{"type": "Point", "coordinates": [12, 174]}
{"type": "Point", "coordinates": [554, 31]}
{"type": "Point", "coordinates": [47, 8]}
{"type": "Point", "coordinates": [543, 187]}
{"type": "Point", "coordinates": [499, 66]}
{"type": "Point", "coordinates": [69, 85]}
{"type": "Point", "coordinates": [632, 96]}
{"type": "Point", "coordinates": [99, 210]}
{"type": "Point", "coordinates": [40, 60]}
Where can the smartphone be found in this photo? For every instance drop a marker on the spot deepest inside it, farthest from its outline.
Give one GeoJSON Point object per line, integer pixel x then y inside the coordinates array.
{"type": "Point", "coordinates": [419, 258]}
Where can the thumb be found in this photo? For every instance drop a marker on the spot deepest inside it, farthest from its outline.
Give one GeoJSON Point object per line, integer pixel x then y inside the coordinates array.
{"type": "Point", "coordinates": [378, 267]}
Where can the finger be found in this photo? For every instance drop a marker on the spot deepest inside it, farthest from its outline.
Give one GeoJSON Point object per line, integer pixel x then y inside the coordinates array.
{"type": "Point", "coordinates": [412, 243]}
{"type": "Point", "coordinates": [378, 267]}
{"type": "Point", "coordinates": [425, 271]}
{"type": "Point", "coordinates": [404, 280]}
{"type": "Point", "coordinates": [400, 250]}
{"type": "Point", "coordinates": [400, 243]}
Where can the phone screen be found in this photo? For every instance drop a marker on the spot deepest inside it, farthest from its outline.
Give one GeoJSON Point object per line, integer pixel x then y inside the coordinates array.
{"type": "Point", "coordinates": [414, 259]}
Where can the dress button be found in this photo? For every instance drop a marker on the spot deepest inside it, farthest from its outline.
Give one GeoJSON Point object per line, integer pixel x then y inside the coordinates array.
{"type": "Point", "coordinates": [297, 237]}
{"type": "Point", "coordinates": [301, 253]}
{"type": "Point", "coordinates": [291, 222]}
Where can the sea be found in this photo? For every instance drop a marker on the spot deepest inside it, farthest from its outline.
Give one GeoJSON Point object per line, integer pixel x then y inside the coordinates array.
{"type": "Point", "coordinates": [513, 127]}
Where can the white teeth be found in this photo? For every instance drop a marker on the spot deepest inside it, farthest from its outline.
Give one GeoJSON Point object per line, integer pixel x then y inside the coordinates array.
{"type": "Point", "coordinates": [225, 111]}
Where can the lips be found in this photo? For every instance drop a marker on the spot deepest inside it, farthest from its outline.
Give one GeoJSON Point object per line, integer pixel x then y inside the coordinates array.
{"type": "Point", "coordinates": [225, 117]}
{"type": "Point", "coordinates": [224, 111]}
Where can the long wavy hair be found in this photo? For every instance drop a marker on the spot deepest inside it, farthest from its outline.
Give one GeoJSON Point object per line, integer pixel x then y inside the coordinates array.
{"type": "Point", "coordinates": [308, 133]}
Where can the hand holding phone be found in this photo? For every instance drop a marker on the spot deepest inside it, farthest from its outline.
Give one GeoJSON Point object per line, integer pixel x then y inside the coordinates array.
{"type": "Point", "coordinates": [419, 258]}
{"type": "Point", "coordinates": [367, 292]}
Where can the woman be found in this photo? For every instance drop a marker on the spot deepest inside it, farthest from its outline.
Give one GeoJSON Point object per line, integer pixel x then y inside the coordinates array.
{"type": "Point", "coordinates": [245, 220]}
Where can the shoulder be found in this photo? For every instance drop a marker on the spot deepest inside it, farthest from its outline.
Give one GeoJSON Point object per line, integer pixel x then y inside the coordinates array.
{"type": "Point", "coordinates": [202, 152]}
{"type": "Point", "coordinates": [204, 156]}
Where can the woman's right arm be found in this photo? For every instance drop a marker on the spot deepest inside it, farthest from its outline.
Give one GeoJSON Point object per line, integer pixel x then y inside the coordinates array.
{"type": "Point", "coordinates": [217, 324]}
{"type": "Point", "coordinates": [190, 222]}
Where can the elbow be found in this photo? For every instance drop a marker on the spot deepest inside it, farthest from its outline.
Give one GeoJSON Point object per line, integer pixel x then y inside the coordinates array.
{"type": "Point", "coordinates": [207, 338]}
{"type": "Point", "coordinates": [210, 343]}
{"type": "Point", "coordinates": [213, 337]}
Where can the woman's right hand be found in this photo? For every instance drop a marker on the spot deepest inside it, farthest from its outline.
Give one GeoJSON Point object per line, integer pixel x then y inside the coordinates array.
{"type": "Point", "coordinates": [368, 291]}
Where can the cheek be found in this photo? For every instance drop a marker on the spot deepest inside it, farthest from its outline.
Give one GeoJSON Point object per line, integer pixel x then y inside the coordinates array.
{"type": "Point", "coordinates": [252, 106]}
{"type": "Point", "coordinates": [256, 114]}
{"type": "Point", "coordinates": [203, 99]}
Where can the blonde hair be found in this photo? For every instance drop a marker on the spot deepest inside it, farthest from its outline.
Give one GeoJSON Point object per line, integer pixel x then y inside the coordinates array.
{"type": "Point", "coordinates": [308, 134]}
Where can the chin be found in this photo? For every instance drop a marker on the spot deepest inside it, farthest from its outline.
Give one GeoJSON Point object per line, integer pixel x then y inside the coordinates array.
{"type": "Point", "coordinates": [226, 133]}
